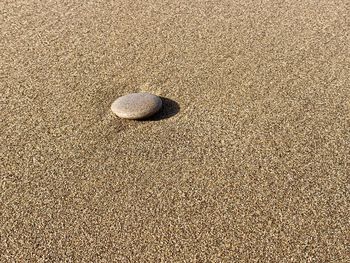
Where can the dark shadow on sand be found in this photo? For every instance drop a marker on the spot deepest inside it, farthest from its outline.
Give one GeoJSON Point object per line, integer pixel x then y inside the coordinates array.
{"type": "Point", "coordinates": [169, 109]}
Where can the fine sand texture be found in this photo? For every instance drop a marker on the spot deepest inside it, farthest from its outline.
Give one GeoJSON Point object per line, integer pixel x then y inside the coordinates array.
{"type": "Point", "coordinates": [249, 161]}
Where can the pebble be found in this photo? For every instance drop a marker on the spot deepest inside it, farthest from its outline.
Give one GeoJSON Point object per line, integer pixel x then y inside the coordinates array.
{"type": "Point", "coordinates": [136, 105]}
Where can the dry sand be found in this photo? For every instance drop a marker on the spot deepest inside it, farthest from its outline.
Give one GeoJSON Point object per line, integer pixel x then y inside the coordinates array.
{"type": "Point", "coordinates": [249, 163]}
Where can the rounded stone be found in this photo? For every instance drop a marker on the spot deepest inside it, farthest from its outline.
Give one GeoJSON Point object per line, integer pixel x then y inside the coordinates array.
{"type": "Point", "coordinates": [136, 105]}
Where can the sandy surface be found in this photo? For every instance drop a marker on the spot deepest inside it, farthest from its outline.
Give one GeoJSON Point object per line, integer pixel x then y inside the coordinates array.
{"type": "Point", "coordinates": [250, 161]}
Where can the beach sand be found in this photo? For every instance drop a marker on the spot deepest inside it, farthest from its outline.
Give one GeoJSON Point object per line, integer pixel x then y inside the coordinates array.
{"type": "Point", "coordinates": [248, 162]}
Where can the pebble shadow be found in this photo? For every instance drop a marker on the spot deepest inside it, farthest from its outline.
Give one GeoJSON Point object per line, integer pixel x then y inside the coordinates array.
{"type": "Point", "coordinates": [169, 109]}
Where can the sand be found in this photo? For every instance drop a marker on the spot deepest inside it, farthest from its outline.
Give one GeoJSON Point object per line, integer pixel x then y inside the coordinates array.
{"type": "Point", "coordinates": [249, 162]}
